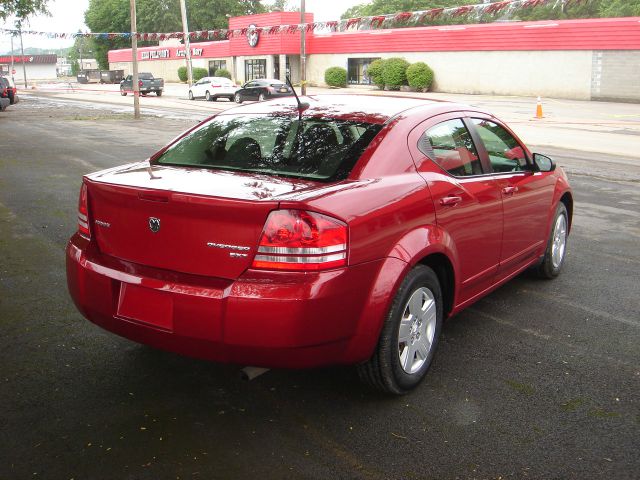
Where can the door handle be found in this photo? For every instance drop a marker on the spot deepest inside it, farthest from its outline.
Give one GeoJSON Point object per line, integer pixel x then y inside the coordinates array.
{"type": "Point", "coordinates": [450, 201]}
{"type": "Point", "coordinates": [509, 190]}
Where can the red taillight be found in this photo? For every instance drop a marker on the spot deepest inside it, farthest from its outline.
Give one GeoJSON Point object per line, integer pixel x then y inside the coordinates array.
{"type": "Point", "coordinates": [140, 83]}
{"type": "Point", "coordinates": [271, 89]}
{"type": "Point", "coordinates": [301, 240]}
{"type": "Point", "coordinates": [83, 213]}
{"type": "Point", "coordinates": [215, 86]}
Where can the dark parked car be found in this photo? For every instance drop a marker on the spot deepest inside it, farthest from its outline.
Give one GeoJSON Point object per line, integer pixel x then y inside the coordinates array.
{"type": "Point", "coordinates": [263, 89]}
{"type": "Point", "coordinates": [4, 103]}
{"type": "Point", "coordinates": [146, 82]}
{"type": "Point", "coordinates": [341, 231]}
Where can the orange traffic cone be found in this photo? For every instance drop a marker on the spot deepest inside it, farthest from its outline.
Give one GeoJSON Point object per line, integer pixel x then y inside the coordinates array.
{"type": "Point", "coordinates": [539, 109]}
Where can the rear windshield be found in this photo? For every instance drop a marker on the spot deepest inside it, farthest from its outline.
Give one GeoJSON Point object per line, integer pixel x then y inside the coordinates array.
{"type": "Point", "coordinates": [145, 76]}
{"type": "Point", "coordinates": [322, 149]}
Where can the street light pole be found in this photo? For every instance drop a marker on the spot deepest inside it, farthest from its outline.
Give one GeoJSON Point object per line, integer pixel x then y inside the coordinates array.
{"type": "Point", "coordinates": [134, 54]}
{"type": "Point", "coordinates": [303, 51]}
{"type": "Point", "coordinates": [187, 43]}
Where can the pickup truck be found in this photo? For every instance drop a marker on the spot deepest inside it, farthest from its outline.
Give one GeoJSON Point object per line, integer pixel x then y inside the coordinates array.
{"type": "Point", "coordinates": [147, 84]}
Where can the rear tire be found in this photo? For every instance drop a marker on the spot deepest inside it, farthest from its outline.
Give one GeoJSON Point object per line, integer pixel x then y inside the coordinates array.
{"type": "Point", "coordinates": [123, 92]}
{"type": "Point", "coordinates": [262, 97]}
{"type": "Point", "coordinates": [190, 95]}
{"type": "Point", "coordinates": [409, 336]}
{"type": "Point", "coordinates": [207, 96]}
{"type": "Point", "coordinates": [159, 93]}
{"type": "Point", "coordinates": [554, 255]}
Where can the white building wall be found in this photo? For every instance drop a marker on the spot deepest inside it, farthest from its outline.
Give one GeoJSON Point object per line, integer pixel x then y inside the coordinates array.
{"type": "Point", "coordinates": [167, 69]}
{"type": "Point", "coordinates": [562, 74]}
{"type": "Point", "coordinates": [35, 72]}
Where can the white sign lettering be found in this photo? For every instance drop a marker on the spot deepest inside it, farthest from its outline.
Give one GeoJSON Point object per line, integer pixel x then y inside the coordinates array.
{"type": "Point", "coordinates": [195, 52]}
{"type": "Point", "coordinates": [156, 54]}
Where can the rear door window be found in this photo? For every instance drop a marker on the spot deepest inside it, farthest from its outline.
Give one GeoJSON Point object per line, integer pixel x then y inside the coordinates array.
{"type": "Point", "coordinates": [450, 146]}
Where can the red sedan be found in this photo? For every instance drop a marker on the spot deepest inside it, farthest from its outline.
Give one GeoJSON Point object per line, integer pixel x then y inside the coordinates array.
{"type": "Point", "coordinates": [343, 231]}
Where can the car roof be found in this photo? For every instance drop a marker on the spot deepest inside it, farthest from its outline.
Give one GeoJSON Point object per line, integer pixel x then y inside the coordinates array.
{"type": "Point", "coordinates": [368, 108]}
{"type": "Point", "coordinates": [268, 80]}
{"type": "Point", "coordinates": [220, 78]}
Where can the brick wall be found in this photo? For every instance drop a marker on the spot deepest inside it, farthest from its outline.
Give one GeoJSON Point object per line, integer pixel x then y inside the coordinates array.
{"type": "Point", "coordinates": [615, 75]}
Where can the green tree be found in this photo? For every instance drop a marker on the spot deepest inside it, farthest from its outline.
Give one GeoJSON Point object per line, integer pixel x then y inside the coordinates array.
{"type": "Point", "coordinates": [159, 16]}
{"type": "Point", "coordinates": [384, 7]}
{"type": "Point", "coordinates": [21, 8]}
{"type": "Point", "coordinates": [620, 8]}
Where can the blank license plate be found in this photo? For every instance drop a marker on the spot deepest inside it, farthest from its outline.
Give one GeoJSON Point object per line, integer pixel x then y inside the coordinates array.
{"type": "Point", "coordinates": [146, 305]}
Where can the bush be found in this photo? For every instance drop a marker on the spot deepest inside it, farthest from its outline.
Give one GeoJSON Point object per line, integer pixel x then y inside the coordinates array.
{"type": "Point", "coordinates": [336, 77]}
{"type": "Point", "coordinates": [394, 73]}
{"type": "Point", "coordinates": [182, 74]}
{"type": "Point", "coordinates": [375, 72]}
{"type": "Point", "coordinates": [222, 72]}
{"type": "Point", "coordinates": [199, 73]}
{"type": "Point", "coordinates": [420, 76]}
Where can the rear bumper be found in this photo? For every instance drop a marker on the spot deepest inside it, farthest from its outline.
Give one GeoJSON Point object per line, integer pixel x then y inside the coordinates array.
{"type": "Point", "coordinates": [285, 320]}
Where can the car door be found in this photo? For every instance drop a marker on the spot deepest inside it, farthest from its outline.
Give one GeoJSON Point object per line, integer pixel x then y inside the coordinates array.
{"type": "Point", "coordinates": [526, 194]}
{"type": "Point", "coordinates": [466, 198]}
{"type": "Point", "coordinates": [198, 88]}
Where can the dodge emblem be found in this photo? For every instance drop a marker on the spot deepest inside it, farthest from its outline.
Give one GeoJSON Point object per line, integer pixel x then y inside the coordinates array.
{"type": "Point", "coordinates": [154, 224]}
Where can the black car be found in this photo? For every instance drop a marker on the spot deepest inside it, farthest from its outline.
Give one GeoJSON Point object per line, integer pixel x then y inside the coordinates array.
{"type": "Point", "coordinates": [262, 89]}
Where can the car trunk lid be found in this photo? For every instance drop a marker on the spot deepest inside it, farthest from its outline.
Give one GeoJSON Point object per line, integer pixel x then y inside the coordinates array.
{"type": "Point", "coordinates": [202, 222]}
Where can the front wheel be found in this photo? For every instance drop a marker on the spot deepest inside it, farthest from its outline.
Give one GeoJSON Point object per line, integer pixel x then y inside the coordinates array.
{"type": "Point", "coordinates": [262, 97]}
{"type": "Point", "coordinates": [409, 336]}
{"type": "Point", "coordinates": [237, 98]}
{"type": "Point", "coordinates": [123, 92]}
{"type": "Point", "coordinates": [190, 95]}
{"type": "Point", "coordinates": [207, 96]}
{"type": "Point", "coordinates": [159, 93]}
{"type": "Point", "coordinates": [554, 255]}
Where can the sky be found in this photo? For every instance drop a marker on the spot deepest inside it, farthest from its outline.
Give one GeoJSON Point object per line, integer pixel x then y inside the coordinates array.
{"type": "Point", "coordinates": [68, 16]}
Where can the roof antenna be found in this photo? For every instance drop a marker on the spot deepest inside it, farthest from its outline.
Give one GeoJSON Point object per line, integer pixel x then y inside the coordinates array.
{"type": "Point", "coordinates": [302, 106]}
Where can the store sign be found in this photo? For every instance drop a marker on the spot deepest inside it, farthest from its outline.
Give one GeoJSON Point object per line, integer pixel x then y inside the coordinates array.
{"type": "Point", "coordinates": [195, 52]}
{"type": "Point", "coordinates": [156, 54]}
{"type": "Point", "coordinates": [253, 36]}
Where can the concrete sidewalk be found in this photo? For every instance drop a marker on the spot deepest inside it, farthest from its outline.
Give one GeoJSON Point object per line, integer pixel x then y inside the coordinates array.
{"type": "Point", "coordinates": [596, 127]}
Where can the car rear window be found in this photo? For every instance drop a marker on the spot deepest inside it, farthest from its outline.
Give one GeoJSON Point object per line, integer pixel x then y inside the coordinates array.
{"type": "Point", "coordinates": [145, 76]}
{"type": "Point", "coordinates": [322, 149]}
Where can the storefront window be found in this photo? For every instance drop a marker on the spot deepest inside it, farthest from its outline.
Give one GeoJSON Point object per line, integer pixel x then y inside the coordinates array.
{"type": "Point", "coordinates": [254, 69]}
{"type": "Point", "coordinates": [216, 65]}
{"type": "Point", "coordinates": [357, 68]}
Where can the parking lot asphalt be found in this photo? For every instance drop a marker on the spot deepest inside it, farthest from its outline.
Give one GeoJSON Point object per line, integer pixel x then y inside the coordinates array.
{"type": "Point", "coordinates": [541, 379]}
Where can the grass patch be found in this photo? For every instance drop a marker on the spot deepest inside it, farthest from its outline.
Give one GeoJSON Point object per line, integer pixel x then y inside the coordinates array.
{"type": "Point", "coordinates": [520, 387]}
{"type": "Point", "coordinates": [572, 405]}
{"type": "Point", "coordinates": [601, 413]}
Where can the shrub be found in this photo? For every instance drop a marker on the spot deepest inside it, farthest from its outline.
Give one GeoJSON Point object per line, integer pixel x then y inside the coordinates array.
{"type": "Point", "coordinates": [375, 72]}
{"type": "Point", "coordinates": [394, 73]}
{"type": "Point", "coordinates": [336, 77]}
{"type": "Point", "coordinates": [420, 75]}
{"type": "Point", "coordinates": [222, 72]}
{"type": "Point", "coordinates": [182, 74]}
{"type": "Point", "coordinates": [199, 73]}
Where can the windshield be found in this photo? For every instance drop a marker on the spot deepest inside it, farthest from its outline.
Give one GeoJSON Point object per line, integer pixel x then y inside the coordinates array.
{"type": "Point", "coordinates": [323, 149]}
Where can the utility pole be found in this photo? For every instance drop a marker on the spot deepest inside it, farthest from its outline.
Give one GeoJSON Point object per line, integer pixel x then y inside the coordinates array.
{"type": "Point", "coordinates": [134, 54]}
{"type": "Point", "coordinates": [24, 64]}
{"type": "Point", "coordinates": [187, 43]}
{"type": "Point", "coordinates": [12, 78]}
{"type": "Point", "coordinates": [303, 51]}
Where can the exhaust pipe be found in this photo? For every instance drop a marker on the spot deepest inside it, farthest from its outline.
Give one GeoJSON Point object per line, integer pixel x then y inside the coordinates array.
{"type": "Point", "coordinates": [249, 373]}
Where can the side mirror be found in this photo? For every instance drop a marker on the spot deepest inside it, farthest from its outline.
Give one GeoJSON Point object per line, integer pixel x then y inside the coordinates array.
{"type": "Point", "coordinates": [543, 163]}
